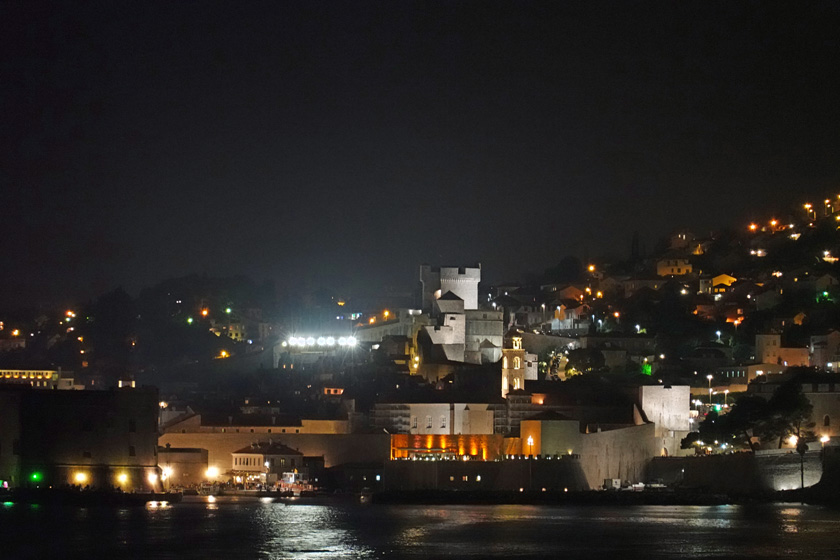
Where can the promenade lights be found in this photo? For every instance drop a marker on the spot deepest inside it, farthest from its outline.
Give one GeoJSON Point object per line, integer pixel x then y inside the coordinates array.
{"type": "Point", "coordinates": [709, 377]}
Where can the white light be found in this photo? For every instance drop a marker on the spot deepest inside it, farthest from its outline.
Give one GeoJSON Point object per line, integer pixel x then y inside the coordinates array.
{"type": "Point", "coordinates": [321, 341]}
{"type": "Point", "coordinates": [310, 341]}
{"type": "Point", "coordinates": [292, 341]}
{"type": "Point", "coordinates": [351, 341]}
{"type": "Point", "coordinates": [212, 472]}
{"type": "Point", "coordinates": [330, 341]}
{"type": "Point", "coordinates": [342, 341]}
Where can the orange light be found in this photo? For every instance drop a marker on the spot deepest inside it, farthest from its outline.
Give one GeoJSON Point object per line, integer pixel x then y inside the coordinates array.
{"type": "Point", "coordinates": [753, 227]}
{"type": "Point", "coordinates": [15, 332]}
{"type": "Point", "coordinates": [372, 320]}
{"type": "Point", "coordinates": [616, 314]}
{"type": "Point", "coordinates": [386, 313]}
{"type": "Point", "coordinates": [773, 223]}
{"type": "Point", "coordinates": [204, 312]}
{"type": "Point", "coordinates": [591, 268]}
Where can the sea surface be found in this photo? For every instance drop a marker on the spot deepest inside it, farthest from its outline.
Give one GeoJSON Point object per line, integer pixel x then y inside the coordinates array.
{"type": "Point", "coordinates": [254, 528]}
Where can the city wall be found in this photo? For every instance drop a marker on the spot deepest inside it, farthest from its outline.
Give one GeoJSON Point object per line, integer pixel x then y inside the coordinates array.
{"type": "Point", "coordinates": [336, 448]}
{"type": "Point", "coordinates": [556, 474]}
{"type": "Point", "coordinates": [738, 473]}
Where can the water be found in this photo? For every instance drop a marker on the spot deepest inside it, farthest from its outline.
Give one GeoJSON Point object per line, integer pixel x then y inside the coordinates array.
{"type": "Point", "coordinates": [262, 529]}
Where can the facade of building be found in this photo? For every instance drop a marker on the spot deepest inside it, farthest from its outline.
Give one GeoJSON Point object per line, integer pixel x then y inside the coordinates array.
{"type": "Point", "coordinates": [518, 366]}
{"type": "Point", "coordinates": [825, 350]}
{"type": "Point", "coordinates": [673, 266]}
{"type": "Point", "coordinates": [769, 350]}
{"type": "Point", "coordinates": [438, 280]}
{"type": "Point", "coordinates": [84, 438]}
{"type": "Point", "coordinates": [434, 418]}
{"type": "Point", "coordinates": [267, 462]}
{"type": "Point", "coordinates": [37, 378]}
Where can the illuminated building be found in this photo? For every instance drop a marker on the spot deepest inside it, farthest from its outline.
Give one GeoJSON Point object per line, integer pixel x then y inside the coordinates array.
{"type": "Point", "coordinates": [517, 366]}
{"type": "Point", "coordinates": [38, 379]}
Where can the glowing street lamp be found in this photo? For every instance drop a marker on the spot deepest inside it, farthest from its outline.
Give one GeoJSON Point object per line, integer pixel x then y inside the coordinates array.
{"type": "Point", "coordinates": [530, 446]}
{"type": "Point", "coordinates": [709, 377]}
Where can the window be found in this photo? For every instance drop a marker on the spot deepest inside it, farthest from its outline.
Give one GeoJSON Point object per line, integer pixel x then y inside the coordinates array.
{"type": "Point", "coordinates": [826, 421]}
{"type": "Point", "coordinates": [428, 421]}
{"type": "Point", "coordinates": [504, 363]}
{"type": "Point", "coordinates": [517, 362]}
{"type": "Point", "coordinates": [132, 452]}
{"type": "Point", "coordinates": [414, 422]}
{"type": "Point", "coordinates": [443, 421]}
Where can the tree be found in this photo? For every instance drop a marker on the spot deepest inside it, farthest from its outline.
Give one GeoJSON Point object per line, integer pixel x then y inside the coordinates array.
{"type": "Point", "coordinates": [584, 360]}
{"type": "Point", "coordinates": [788, 412]}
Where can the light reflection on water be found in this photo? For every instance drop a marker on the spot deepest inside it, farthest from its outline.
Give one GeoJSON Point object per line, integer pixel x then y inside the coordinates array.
{"type": "Point", "coordinates": [263, 529]}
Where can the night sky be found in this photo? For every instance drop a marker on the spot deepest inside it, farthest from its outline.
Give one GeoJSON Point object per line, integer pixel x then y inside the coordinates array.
{"type": "Point", "coordinates": [341, 144]}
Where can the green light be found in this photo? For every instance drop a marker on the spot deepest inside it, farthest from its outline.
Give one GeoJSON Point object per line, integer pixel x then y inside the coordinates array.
{"type": "Point", "coordinates": [189, 320]}
{"type": "Point", "coordinates": [825, 294]}
{"type": "Point", "coordinates": [36, 476]}
{"type": "Point", "coordinates": [227, 310]}
{"type": "Point", "coordinates": [717, 408]}
{"type": "Point", "coordinates": [8, 504]}
{"type": "Point", "coordinates": [647, 369]}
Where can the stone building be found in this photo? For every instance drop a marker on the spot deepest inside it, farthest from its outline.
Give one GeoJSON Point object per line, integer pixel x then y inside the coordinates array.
{"type": "Point", "coordinates": [87, 438]}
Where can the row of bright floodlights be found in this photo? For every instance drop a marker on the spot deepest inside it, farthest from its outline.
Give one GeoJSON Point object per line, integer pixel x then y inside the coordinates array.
{"type": "Point", "coordinates": [320, 341]}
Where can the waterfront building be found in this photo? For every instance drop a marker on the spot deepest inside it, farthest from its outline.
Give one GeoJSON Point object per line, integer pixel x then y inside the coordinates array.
{"type": "Point", "coordinates": [85, 438]}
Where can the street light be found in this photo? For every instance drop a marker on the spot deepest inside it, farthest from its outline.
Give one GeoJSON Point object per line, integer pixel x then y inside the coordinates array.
{"type": "Point", "coordinates": [725, 393]}
{"type": "Point", "coordinates": [709, 377]}
{"type": "Point", "coordinates": [530, 446]}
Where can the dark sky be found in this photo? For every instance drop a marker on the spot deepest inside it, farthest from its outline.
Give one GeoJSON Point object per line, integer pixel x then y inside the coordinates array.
{"type": "Point", "coordinates": [344, 143]}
